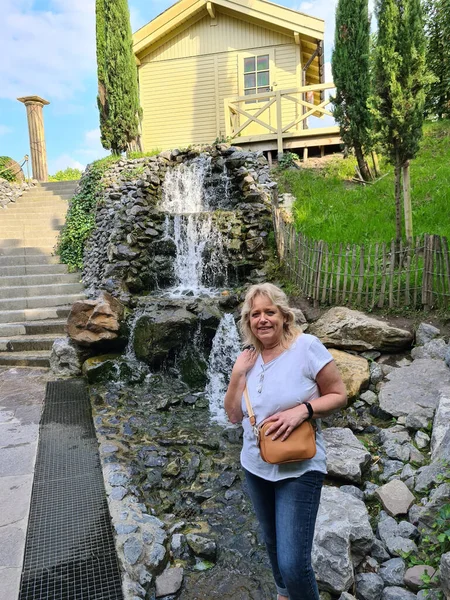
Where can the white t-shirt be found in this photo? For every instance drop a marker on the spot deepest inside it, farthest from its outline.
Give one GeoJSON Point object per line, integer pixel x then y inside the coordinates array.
{"type": "Point", "coordinates": [284, 382]}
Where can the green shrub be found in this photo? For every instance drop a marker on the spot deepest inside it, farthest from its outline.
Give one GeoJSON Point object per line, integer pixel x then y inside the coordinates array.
{"type": "Point", "coordinates": [80, 219]}
{"type": "Point", "coordinates": [143, 154]}
{"type": "Point", "coordinates": [6, 173]}
{"type": "Point", "coordinates": [287, 160]}
{"type": "Point", "coordinates": [68, 174]}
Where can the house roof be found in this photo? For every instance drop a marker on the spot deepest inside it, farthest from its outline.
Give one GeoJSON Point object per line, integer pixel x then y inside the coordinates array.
{"type": "Point", "coordinates": [272, 15]}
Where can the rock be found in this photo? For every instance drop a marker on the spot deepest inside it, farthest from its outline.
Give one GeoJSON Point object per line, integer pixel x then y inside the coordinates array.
{"type": "Point", "coordinates": [169, 582]}
{"type": "Point", "coordinates": [346, 596]}
{"type": "Point", "coordinates": [430, 595]}
{"type": "Point", "coordinates": [92, 322]}
{"type": "Point", "coordinates": [377, 373]}
{"type": "Point", "coordinates": [441, 422]}
{"type": "Point", "coordinates": [432, 473]}
{"type": "Point", "coordinates": [132, 550]}
{"type": "Point", "coordinates": [353, 490]}
{"type": "Point", "coordinates": [434, 349]}
{"type": "Point", "coordinates": [346, 456]}
{"type": "Point", "coordinates": [425, 333]}
{"type": "Point", "coordinates": [100, 368]}
{"type": "Point", "coordinates": [202, 546]}
{"type": "Point", "coordinates": [413, 576]}
{"type": "Point", "coordinates": [354, 371]}
{"type": "Point", "coordinates": [395, 441]}
{"type": "Point", "coordinates": [343, 535]}
{"type": "Point", "coordinates": [397, 593]}
{"type": "Point", "coordinates": [163, 330]}
{"type": "Point", "coordinates": [369, 397]}
{"type": "Point", "coordinates": [444, 574]}
{"type": "Point", "coordinates": [65, 358]}
{"type": "Point", "coordinates": [379, 552]}
{"type": "Point", "coordinates": [437, 499]}
{"type": "Point", "coordinates": [348, 329]}
{"type": "Point", "coordinates": [390, 469]}
{"type": "Point", "coordinates": [369, 586]}
{"type": "Point", "coordinates": [392, 571]}
{"type": "Point", "coordinates": [395, 497]}
{"type": "Point", "coordinates": [414, 390]}
{"type": "Point", "coordinates": [422, 439]}
{"type": "Point", "coordinates": [389, 533]}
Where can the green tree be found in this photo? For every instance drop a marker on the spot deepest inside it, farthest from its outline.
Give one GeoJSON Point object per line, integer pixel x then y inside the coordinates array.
{"type": "Point", "coordinates": [400, 84]}
{"type": "Point", "coordinates": [118, 98]}
{"type": "Point", "coordinates": [437, 28]}
{"type": "Point", "coordinates": [351, 74]}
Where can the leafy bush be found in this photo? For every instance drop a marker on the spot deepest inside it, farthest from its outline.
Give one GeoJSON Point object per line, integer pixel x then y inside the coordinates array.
{"type": "Point", "coordinates": [68, 174]}
{"type": "Point", "coordinates": [80, 219]}
{"type": "Point", "coordinates": [5, 172]}
{"type": "Point", "coordinates": [287, 160]}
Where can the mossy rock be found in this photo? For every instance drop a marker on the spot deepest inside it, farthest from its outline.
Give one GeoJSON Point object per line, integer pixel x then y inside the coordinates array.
{"type": "Point", "coordinates": [192, 366]}
{"type": "Point", "coordinates": [102, 368]}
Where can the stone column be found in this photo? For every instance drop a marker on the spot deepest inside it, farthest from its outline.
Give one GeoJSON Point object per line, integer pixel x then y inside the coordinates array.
{"type": "Point", "coordinates": [35, 118]}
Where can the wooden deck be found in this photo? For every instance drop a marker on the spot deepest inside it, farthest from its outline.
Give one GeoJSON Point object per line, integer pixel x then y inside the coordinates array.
{"type": "Point", "coordinates": [281, 120]}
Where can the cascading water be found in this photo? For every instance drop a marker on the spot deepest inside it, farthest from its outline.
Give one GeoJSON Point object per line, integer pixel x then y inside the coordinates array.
{"type": "Point", "coordinates": [199, 245]}
{"type": "Point", "coordinates": [225, 349]}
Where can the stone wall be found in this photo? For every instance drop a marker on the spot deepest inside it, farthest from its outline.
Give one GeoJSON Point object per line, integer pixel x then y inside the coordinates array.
{"type": "Point", "coordinates": [129, 252]}
{"type": "Point", "coordinates": [9, 192]}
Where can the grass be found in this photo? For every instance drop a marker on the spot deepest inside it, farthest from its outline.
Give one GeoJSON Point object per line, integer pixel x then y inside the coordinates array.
{"type": "Point", "coordinates": [329, 206]}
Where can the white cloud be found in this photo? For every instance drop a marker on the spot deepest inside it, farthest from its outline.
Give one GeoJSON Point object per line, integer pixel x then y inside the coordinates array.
{"type": "Point", "coordinates": [46, 52]}
{"type": "Point", "coordinates": [4, 129]}
{"type": "Point", "coordinates": [62, 162]}
{"type": "Point", "coordinates": [92, 148]}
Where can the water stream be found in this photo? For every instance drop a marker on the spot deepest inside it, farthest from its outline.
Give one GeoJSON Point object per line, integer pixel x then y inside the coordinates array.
{"type": "Point", "coordinates": [225, 349]}
{"type": "Point", "coordinates": [200, 262]}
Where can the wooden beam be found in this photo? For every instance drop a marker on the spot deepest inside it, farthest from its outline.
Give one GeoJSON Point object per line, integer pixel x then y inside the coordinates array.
{"type": "Point", "coordinates": [297, 38]}
{"type": "Point", "coordinates": [210, 9]}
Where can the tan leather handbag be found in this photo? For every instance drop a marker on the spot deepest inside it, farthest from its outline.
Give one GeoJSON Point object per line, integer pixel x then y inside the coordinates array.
{"type": "Point", "coordinates": [300, 445]}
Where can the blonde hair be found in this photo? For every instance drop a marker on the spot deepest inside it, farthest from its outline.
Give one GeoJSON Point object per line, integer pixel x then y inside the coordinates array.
{"type": "Point", "coordinates": [279, 299]}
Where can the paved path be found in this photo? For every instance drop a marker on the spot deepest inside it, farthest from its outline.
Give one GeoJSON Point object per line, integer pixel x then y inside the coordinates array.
{"type": "Point", "coordinates": [22, 393]}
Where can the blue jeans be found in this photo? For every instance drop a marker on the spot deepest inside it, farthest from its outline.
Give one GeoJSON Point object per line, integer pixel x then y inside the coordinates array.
{"type": "Point", "coordinates": [287, 511]}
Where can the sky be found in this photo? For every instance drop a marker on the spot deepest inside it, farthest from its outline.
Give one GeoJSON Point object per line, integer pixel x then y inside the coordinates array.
{"type": "Point", "coordinates": [48, 49]}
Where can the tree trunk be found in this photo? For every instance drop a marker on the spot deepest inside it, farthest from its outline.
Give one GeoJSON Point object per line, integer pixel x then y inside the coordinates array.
{"type": "Point", "coordinates": [398, 210]}
{"type": "Point", "coordinates": [376, 166]}
{"type": "Point", "coordinates": [362, 164]}
{"type": "Point", "coordinates": [407, 201]}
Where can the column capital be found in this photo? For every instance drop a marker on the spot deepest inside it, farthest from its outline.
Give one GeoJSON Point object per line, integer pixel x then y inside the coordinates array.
{"type": "Point", "coordinates": [33, 100]}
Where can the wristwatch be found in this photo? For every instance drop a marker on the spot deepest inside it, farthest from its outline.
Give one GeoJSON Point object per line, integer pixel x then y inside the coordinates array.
{"type": "Point", "coordinates": [310, 410]}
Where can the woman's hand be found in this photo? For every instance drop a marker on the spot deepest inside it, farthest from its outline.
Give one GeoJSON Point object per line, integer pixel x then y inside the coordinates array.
{"type": "Point", "coordinates": [284, 422]}
{"type": "Point", "coordinates": [244, 362]}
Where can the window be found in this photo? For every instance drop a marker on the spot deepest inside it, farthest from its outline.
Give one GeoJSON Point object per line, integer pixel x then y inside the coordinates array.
{"type": "Point", "coordinates": [256, 74]}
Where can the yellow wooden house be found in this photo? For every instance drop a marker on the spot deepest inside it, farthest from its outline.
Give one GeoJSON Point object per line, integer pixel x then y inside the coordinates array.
{"type": "Point", "coordinates": [250, 71]}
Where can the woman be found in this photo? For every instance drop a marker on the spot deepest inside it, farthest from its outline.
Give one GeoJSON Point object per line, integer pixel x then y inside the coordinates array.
{"type": "Point", "coordinates": [283, 369]}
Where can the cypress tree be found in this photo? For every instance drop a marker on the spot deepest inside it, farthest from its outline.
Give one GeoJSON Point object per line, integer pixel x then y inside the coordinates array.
{"type": "Point", "coordinates": [400, 89]}
{"type": "Point", "coordinates": [118, 98]}
{"type": "Point", "coordinates": [437, 15]}
{"type": "Point", "coordinates": [351, 75]}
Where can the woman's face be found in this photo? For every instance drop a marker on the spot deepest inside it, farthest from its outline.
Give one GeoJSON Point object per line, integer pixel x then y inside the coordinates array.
{"type": "Point", "coordinates": [266, 321]}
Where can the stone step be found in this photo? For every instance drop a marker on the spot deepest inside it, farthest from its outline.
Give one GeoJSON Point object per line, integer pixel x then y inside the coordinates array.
{"type": "Point", "coordinates": [37, 358]}
{"type": "Point", "coordinates": [31, 291]}
{"type": "Point", "coordinates": [50, 326]}
{"type": "Point", "coordinates": [22, 343]}
{"type": "Point", "coordinates": [39, 269]}
{"type": "Point", "coordinates": [51, 185]}
{"type": "Point", "coordinates": [34, 258]}
{"type": "Point", "coordinates": [35, 315]}
{"type": "Point", "coordinates": [29, 280]}
{"type": "Point", "coordinates": [39, 242]}
{"type": "Point", "coordinates": [27, 250]}
{"type": "Point", "coordinates": [15, 304]}
{"type": "Point", "coordinates": [16, 230]}
{"type": "Point", "coordinates": [42, 205]}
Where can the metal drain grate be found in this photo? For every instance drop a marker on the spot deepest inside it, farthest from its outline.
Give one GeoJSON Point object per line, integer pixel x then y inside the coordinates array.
{"type": "Point", "coordinates": [69, 550]}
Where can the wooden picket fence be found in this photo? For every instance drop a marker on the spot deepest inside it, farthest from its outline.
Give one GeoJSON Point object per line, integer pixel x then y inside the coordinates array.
{"type": "Point", "coordinates": [415, 275]}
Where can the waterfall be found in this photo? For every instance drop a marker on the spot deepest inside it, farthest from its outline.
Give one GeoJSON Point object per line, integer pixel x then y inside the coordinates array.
{"type": "Point", "coordinates": [225, 349]}
{"type": "Point", "coordinates": [200, 247]}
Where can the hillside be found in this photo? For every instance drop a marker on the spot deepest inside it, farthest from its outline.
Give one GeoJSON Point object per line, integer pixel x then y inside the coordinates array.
{"type": "Point", "coordinates": [330, 206]}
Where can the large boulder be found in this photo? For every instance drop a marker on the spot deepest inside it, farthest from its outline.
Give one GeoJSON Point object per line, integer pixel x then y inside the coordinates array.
{"type": "Point", "coordinates": [162, 331]}
{"type": "Point", "coordinates": [413, 391]}
{"type": "Point", "coordinates": [95, 322]}
{"type": "Point", "coordinates": [348, 329]}
{"type": "Point", "coordinates": [354, 371]}
{"type": "Point", "coordinates": [347, 457]}
{"type": "Point", "coordinates": [343, 537]}
{"type": "Point", "coordinates": [441, 422]}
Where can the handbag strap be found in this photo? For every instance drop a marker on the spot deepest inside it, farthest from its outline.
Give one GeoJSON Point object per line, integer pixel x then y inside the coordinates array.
{"type": "Point", "coordinates": [251, 414]}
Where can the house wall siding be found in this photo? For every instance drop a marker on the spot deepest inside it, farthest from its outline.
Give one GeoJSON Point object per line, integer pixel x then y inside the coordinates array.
{"type": "Point", "coordinates": [184, 82]}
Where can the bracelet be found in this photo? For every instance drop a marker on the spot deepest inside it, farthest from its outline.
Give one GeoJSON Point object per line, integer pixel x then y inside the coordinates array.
{"type": "Point", "coordinates": [310, 410]}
